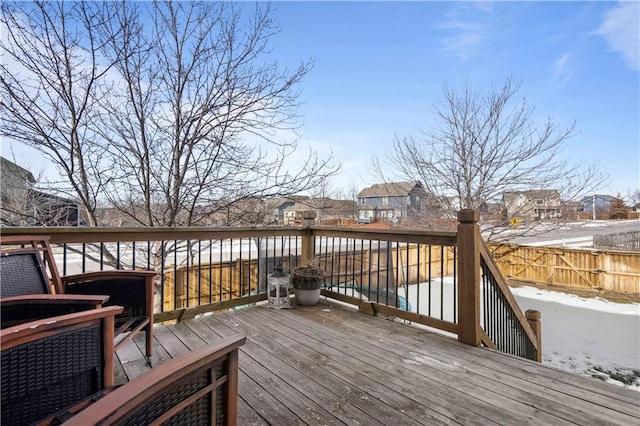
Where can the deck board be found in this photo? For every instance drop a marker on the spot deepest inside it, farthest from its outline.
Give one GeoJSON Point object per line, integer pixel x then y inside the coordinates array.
{"type": "Point", "coordinates": [322, 347]}
{"type": "Point", "coordinates": [429, 376]}
{"type": "Point", "coordinates": [331, 365]}
{"type": "Point", "coordinates": [487, 370]}
{"type": "Point", "coordinates": [305, 366]}
{"type": "Point", "coordinates": [519, 372]}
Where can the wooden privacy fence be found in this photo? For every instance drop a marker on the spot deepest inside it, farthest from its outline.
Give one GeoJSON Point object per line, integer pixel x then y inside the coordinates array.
{"type": "Point", "coordinates": [614, 271]}
{"type": "Point", "coordinates": [208, 283]}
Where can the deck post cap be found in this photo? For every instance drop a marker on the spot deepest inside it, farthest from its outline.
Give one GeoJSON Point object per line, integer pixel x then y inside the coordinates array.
{"type": "Point", "coordinates": [532, 315]}
{"type": "Point", "coordinates": [468, 216]}
{"type": "Point", "coordinates": [308, 215]}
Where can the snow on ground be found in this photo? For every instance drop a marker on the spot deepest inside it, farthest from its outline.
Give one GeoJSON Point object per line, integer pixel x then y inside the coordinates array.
{"type": "Point", "coordinates": [592, 337]}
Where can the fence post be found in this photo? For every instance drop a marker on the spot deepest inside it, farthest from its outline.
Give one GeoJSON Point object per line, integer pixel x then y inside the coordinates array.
{"type": "Point", "coordinates": [308, 240]}
{"type": "Point", "coordinates": [533, 318]}
{"type": "Point", "coordinates": [469, 277]}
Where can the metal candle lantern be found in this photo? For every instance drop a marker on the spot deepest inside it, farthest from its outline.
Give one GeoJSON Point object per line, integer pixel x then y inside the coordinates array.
{"type": "Point", "coordinates": [278, 289]}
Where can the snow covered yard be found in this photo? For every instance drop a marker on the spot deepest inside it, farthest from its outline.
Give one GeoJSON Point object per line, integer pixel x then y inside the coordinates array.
{"type": "Point", "coordinates": [592, 337]}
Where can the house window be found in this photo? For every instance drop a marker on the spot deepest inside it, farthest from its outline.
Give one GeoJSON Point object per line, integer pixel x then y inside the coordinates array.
{"type": "Point", "coordinates": [385, 201]}
{"type": "Point", "coordinates": [539, 202]}
{"type": "Point", "coordinates": [363, 201]}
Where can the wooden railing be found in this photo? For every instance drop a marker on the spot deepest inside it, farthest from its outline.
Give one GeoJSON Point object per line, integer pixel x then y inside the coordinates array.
{"type": "Point", "coordinates": [430, 278]}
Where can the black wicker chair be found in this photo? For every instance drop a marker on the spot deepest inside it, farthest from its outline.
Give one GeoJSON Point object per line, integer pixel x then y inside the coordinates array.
{"type": "Point", "coordinates": [24, 263]}
{"type": "Point", "coordinates": [51, 365]}
{"type": "Point", "coordinates": [198, 388]}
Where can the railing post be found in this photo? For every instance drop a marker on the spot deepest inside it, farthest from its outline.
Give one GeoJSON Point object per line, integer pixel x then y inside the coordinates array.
{"type": "Point", "coordinates": [308, 240]}
{"type": "Point", "coordinates": [469, 277]}
{"type": "Point", "coordinates": [533, 318]}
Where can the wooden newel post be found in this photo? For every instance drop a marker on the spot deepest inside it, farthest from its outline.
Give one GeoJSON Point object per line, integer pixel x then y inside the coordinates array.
{"type": "Point", "coordinates": [308, 241]}
{"type": "Point", "coordinates": [469, 277]}
{"type": "Point", "coordinates": [533, 318]}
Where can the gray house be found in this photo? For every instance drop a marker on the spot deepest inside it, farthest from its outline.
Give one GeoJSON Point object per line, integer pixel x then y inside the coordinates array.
{"type": "Point", "coordinates": [15, 190]}
{"type": "Point", "coordinates": [23, 205]}
{"type": "Point", "coordinates": [391, 202]}
{"type": "Point", "coordinates": [603, 203]}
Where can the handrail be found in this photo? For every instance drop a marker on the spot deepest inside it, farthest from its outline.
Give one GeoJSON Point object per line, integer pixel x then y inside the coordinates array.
{"type": "Point", "coordinates": [99, 234]}
{"type": "Point", "coordinates": [60, 235]}
{"type": "Point", "coordinates": [501, 282]}
{"type": "Point", "coordinates": [401, 235]}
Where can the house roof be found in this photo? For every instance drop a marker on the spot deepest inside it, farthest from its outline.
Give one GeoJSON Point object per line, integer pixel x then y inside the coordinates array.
{"type": "Point", "coordinates": [53, 199]}
{"type": "Point", "coordinates": [530, 194]}
{"type": "Point", "coordinates": [322, 203]}
{"type": "Point", "coordinates": [392, 189]}
{"type": "Point", "coordinates": [589, 198]}
{"type": "Point", "coordinates": [279, 202]}
{"type": "Point", "coordinates": [10, 168]}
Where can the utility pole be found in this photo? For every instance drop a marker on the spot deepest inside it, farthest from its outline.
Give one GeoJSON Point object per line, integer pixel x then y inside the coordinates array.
{"type": "Point", "coordinates": [593, 208]}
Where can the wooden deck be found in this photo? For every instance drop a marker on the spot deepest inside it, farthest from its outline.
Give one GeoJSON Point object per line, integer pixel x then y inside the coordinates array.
{"type": "Point", "coordinates": [331, 365]}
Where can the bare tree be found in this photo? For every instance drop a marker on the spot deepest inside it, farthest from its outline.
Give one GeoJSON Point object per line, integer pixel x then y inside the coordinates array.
{"type": "Point", "coordinates": [51, 69]}
{"type": "Point", "coordinates": [485, 145]}
{"type": "Point", "coordinates": [198, 128]}
{"type": "Point", "coordinates": [169, 123]}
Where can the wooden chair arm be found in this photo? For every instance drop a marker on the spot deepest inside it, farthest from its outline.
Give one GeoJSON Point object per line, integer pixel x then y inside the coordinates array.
{"type": "Point", "coordinates": [18, 334]}
{"type": "Point", "coordinates": [135, 395]}
{"type": "Point", "coordinates": [20, 309]}
{"type": "Point", "coordinates": [55, 299]}
{"type": "Point", "coordinates": [106, 275]}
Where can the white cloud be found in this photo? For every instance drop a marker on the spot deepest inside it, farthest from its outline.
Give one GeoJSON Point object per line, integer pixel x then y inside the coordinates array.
{"type": "Point", "coordinates": [466, 28]}
{"type": "Point", "coordinates": [621, 29]}
{"type": "Point", "coordinates": [562, 69]}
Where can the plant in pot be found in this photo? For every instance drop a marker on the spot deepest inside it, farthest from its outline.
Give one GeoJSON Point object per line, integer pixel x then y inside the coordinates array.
{"type": "Point", "coordinates": [307, 282]}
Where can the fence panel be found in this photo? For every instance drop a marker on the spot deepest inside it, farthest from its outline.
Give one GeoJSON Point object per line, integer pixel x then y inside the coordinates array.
{"type": "Point", "coordinates": [614, 271]}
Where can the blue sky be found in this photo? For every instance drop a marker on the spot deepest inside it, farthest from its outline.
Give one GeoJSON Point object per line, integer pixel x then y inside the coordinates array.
{"type": "Point", "coordinates": [380, 67]}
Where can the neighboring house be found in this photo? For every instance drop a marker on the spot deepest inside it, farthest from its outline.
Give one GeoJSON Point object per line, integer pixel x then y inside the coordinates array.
{"type": "Point", "coordinates": [328, 211]}
{"type": "Point", "coordinates": [391, 202]}
{"type": "Point", "coordinates": [15, 185]}
{"type": "Point", "coordinates": [282, 208]}
{"type": "Point", "coordinates": [23, 205]}
{"type": "Point", "coordinates": [52, 210]}
{"type": "Point", "coordinates": [571, 209]}
{"type": "Point", "coordinates": [533, 204]}
{"type": "Point", "coordinates": [603, 203]}
{"type": "Point", "coordinates": [489, 211]}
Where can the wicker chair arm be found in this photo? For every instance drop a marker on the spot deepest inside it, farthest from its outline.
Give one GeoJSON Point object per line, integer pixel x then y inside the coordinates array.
{"type": "Point", "coordinates": [166, 379]}
{"type": "Point", "coordinates": [56, 362]}
{"type": "Point", "coordinates": [126, 288]}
